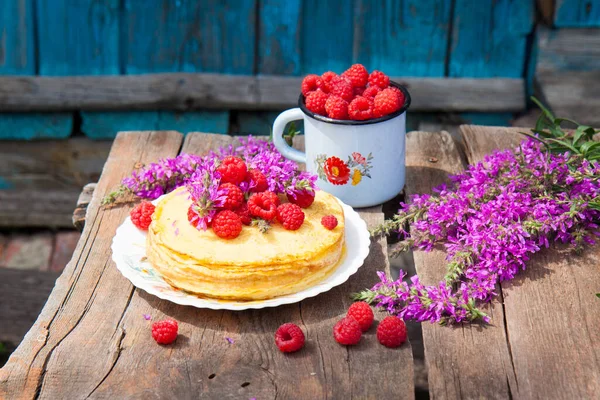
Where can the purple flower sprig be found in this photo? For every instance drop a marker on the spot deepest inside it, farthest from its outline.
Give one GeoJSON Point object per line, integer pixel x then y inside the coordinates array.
{"type": "Point", "coordinates": [490, 220]}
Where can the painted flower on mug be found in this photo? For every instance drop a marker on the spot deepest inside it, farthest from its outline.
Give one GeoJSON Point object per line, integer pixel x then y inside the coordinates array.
{"type": "Point", "coordinates": [334, 170]}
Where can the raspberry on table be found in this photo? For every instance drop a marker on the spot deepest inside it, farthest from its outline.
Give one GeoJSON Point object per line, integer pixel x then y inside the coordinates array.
{"type": "Point", "coordinates": [310, 83]}
{"type": "Point", "coordinates": [234, 196]}
{"type": "Point", "coordinates": [358, 75]}
{"type": "Point", "coordinates": [141, 215]}
{"type": "Point", "coordinates": [315, 102]}
{"type": "Point", "coordinates": [371, 91]}
{"type": "Point", "coordinates": [340, 86]}
{"type": "Point", "coordinates": [165, 332]}
{"type": "Point", "coordinates": [258, 181]}
{"type": "Point", "coordinates": [273, 197]}
{"type": "Point", "coordinates": [326, 78]}
{"type": "Point", "coordinates": [244, 214]}
{"type": "Point", "coordinates": [378, 78]}
{"type": "Point", "coordinates": [233, 170]}
{"type": "Point", "coordinates": [360, 109]}
{"type": "Point", "coordinates": [336, 107]}
{"type": "Point", "coordinates": [289, 338]}
{"type": "Point", "coordinates": [400, 94]}
{"type": "Point", "coordinates": [386, 102]}
{"type": "Point", "coordinates": [227, 224]}
{"type": "Point", "coordinates": [347, 332]}
{"type": "Point", "coordinates": [329, 222]}
{"type": "Point", "coordinates": [304, 198]}
{"type": "Point", "coordinates": [391, 332]}
{"type": "Point", "coordinates": [362, 313]}
{"type": "Point", "coordinates": [290, 216]}
{"type": "Point", "coordinates": [262, 205]}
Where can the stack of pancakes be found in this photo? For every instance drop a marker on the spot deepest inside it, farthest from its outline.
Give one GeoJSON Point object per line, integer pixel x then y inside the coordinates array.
{"type": "Point", "coordinates": [253, 266]}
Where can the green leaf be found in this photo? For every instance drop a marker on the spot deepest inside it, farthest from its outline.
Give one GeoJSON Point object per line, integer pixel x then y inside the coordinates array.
{"type": "Point", "coordinates": [546, 112]}
{"type": "Point", "coordinates": [589, 146]}
{"type": "Point", "coordinates": [598, 295]}
{"type": "Point", "coordinates": [564, 144]}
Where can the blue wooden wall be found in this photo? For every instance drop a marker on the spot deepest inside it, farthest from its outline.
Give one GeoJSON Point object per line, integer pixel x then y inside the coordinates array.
{"type": "Point", "coordinates": [423, 38]}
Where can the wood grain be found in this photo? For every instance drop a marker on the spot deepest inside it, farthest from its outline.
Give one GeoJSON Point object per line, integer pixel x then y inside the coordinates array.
{"type": "Point", "coordinates": [567, 49]}
{"type": "Point", "coordinates": [186, 91]}
{"type": "Point", "coordinates": [551, 310]}
{"type": "Point", "coordinates": [279, 37]}
{"type": "Point", "coordinates": [77, 336]}
{"type": "Point", "coordinates": [577, 13]}
{"type": "Point", "coordinates": [83, 201]}
{"type": "Point", "coordinates": [37, 207]}
{"type": "Point", "coordinates": [17, 47]}
{"type": "Point", "coordinates": [35, 126]}
{"type": "Point", "coordinates": [466, 361]}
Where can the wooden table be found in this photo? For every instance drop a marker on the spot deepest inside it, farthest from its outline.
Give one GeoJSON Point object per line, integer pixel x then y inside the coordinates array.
{"type": "Point", "coordinates": [91, 339]}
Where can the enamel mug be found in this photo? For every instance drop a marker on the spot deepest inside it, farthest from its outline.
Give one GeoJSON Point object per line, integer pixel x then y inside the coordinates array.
{"type": "Point", "coordinates": [360, 162]}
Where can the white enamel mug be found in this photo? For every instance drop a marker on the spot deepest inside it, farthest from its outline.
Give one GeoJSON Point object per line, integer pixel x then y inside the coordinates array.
{"type": "Point", "coordinates": [360, 162]}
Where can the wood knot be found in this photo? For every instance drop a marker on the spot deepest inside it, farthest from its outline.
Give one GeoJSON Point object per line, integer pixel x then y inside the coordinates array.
{"type": "Point", "coordinates": [433, 160]}
{"type": "Point", "coordinates": [211, 376]}
{"type": "Point", "coordinates": [245, 384]}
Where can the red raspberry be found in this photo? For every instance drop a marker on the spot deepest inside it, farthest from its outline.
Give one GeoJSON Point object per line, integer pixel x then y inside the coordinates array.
{"type": "Point", "coordinates": [326, 81]}
{"type": "Point", "coordinates": [244, 214]}
{"type": "Point", "coordinates": [315, 102]}
{"type": "Point", "coordinates": [233, 170]}
{"type": "Point", "coordinates": [371, 91]}
{"type": "Point", "coordinates": [336, 107]}
{"type": "Point", "coordinates": [273, 197]}
{"type": "Point", "coordinates": [290, 216]}
{"type": "Point", "coordinates": [329, 222]}
{"type": "Point", "coordinates": [304, 198]}
{"type": "Point", "coordinates": [347, 331]}
{"type": "Point", "coordinates": [391, 332]}
{"type": "Point", "coordinates": [141, 215]}
{"type": "Point", "coordinates": [360, 109]}
{"type": "Point", "coordinates": [258, 181]}
{"type": "Point", "coordinates": [358, 75]}
{"type": "Point", "coordinates": [378, 78]}
{"type": "Point", "coordinates": [193, 216]}
{"type": "Point", "coordinates": [386, 102]}
{"type": "Point", "coordinates": [342, 87]}
{"type": "Point", "coordinates": [362, 313]}
{"type": "Point", "coordinates": [310, 83]}
{"type": "Point", "coordinates": [399, 93]}
{"type": "Point", "coordinates": [233, 197]}
{"type": "Point", "coordinates": [227, 224]}
{"type": "Point", "coordinates": [262, 205]}
{"type": "Point", "coordinates": [358, 91]}
{"type": "Point", "coordinates": [165, 332]}
{"type": "Point", "coordinates": [289, 338]}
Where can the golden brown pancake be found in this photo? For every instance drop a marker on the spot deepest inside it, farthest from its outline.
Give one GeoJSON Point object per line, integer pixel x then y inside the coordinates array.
{"type": "Point", "coordinates": [254, 265]}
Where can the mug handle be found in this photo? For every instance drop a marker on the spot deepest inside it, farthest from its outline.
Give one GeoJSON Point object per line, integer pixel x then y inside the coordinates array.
{"type": "Point", "coordinates": [285, 149]}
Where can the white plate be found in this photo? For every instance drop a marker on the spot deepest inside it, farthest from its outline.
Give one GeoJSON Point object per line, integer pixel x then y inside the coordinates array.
{"type": "Point", "coordinates": [129, 254]}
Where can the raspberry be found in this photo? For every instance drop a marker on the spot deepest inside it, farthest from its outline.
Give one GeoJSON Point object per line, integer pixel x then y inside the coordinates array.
{"type": "Point", "coordinates": [336, 170]}
{"type": "Point", "coordinates": [362, 313]}
{"type": "Point", "coordinates": [399, 93]}
{"type": "Point", "coordinates": [227, 224]}
{"type": "Point", "coordinates": [358, 91]}
{"type": "Point", "coordinates": [336, 107]}
{"type": "Point", "coordinates": [371, 91]}
{"type": "Point", "coordinates": [262, 205]}
{"type": "Point", "coordinates": [358, 75]}
{"type": "Point", "coordinates": [326, 81]}
{"type": "Point", "coordinates": [329, 222]}
{"type": "Point", "coordinates": [233, 197]}
{"type": "Point", "coordinates": [391, 332]}
{"type": "Point", "coordinates": [315, 102]}
{"type": "Point", "coordinates": [141, 215]}
{"type": "Point", "coordinates": [310, 83]}
{"type": "Point", "coordinates": [232, 170]}
{"type": "Point", "coordinates": [194, 215]}
{"type": "Point", "coordinates": [289, 338]}
{"type": "Point", "coordinates": [258, 181]}
{"type": "Point", "coordinates": [386, 102]}
{"type": "Point", "coordinates": [347, 331]}
{"type": "Point", "coordinates": [378, 78]}
{"type": "Point", "coordinates": [304, 198]}
{"type": "Point", "coordinates": [360, 109]}
{"type": "Point", "coordinates": [290, 216]}
{"type": "Point", "coordinates": [165, 332]}
{"type": "Point", "coordinates": [244, 214]}
{"type": "Point", "coordinates": [273, 197]}
{"type": "Point", "coordinates": [342, 87]}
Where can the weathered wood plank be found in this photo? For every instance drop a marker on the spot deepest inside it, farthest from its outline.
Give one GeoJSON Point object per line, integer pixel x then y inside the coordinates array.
{"type": "Point", "coordinates": [37, 207]}
{"type": "Point", "coordinates": [28, 126]}
{"type": "Point", "coordinates": [78, 37]}
{"type": "Point", "coordinates": [550, 309]}
{"type": "Point", "coordinates": [489, 38]}
{"type": "Point", "coordinates": [577, 13]}
{"type": "Point", "coordinates": [85, 308]}
{"type": "Point", "coordinates": [466, 361]}
{"type": "Point", "coordinates": [572, 94]}
{"type": "Point", "coordinates": [17, 48]}
{"type": "Point", "coordinates": [568, 49]}
{"type": "Point", "coordinates": [23, 293]}
{"type": "Point", "coordinates": [85, 197]}
{"type": "Point", "coordinates": [279, 35]}
{"type": "Point", "coordinates": [385, 31]}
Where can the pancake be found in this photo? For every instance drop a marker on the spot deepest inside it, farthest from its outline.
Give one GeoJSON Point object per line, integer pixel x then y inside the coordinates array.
{"type": "Point", "coordinates": [253, 266]}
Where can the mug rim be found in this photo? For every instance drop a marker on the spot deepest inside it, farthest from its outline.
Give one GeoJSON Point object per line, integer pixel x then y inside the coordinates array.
{"type": "Point", "coordinates": [354, 122]}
